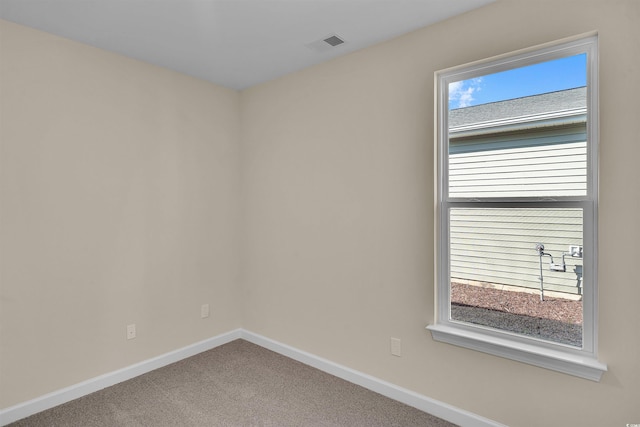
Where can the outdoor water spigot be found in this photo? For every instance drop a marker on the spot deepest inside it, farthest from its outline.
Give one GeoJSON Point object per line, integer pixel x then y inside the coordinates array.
{"type": "Point", "coordinates": [540, 248]}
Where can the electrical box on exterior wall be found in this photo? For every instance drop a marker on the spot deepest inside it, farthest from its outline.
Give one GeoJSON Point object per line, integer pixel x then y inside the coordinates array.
{"type": "Point", "coordinates": [575, 251]}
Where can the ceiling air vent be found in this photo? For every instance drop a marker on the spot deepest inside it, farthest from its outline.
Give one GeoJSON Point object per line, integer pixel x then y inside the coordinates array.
{"type": "Point", "coordinates": [327, 43]}
{"type": "Point", "coordinates": [333, 41]}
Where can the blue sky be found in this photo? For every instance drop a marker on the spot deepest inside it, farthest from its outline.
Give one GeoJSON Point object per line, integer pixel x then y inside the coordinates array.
{"type": "Point", "coordinates": [550, 76]}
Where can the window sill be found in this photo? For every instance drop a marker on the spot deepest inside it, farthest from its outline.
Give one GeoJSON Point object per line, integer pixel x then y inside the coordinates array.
{"type": "Point", "coordinates": [569, 363]}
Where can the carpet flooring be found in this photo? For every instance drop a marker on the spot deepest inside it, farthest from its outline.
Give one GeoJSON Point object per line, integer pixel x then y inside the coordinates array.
{"type": "Point", "coordinates": [236, 384]}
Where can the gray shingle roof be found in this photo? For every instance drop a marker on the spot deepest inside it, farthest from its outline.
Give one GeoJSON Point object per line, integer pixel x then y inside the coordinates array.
{"type": "Point", "coordinates": [563, 100]}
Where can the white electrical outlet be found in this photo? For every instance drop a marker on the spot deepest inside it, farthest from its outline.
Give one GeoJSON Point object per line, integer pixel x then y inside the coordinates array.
{"type": "Point", "coordinates": [204, 311]}
{"type": "Point", "coordinates": [131, 331]}
{"type": "Point", "coordinates": [396, 348]}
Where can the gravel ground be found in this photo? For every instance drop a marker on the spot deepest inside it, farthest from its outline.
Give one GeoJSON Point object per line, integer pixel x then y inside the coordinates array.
{"type": "Point", "coordinates": [554, 319]}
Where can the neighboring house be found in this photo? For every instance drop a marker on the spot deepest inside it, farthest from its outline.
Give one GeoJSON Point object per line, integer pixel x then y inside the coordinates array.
{"type": "Point", "coordinates": [532, 146]}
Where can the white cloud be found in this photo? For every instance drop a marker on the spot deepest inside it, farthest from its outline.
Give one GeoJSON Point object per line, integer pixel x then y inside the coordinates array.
{"type": "Point", "coordinates": [461, 92]}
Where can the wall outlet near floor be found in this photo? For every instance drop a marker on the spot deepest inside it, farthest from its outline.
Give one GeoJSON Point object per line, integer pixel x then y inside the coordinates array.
{"type": "Point", "coordinates": [131, 331]}
{"type": "Point", "coordinates": [396, 348]}
{"type": "Point", "coordinates": [204, 311]}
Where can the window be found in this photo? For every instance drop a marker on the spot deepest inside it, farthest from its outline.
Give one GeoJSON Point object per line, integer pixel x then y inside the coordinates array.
{"type": "Point", "coordinates": [516, 174]}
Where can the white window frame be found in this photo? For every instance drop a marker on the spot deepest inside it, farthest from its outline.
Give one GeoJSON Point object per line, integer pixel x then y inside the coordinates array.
{"type": "Point", "coordinates": [582, 362]}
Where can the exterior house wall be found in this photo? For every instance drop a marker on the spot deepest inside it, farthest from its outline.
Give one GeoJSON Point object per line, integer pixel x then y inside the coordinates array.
{"type": "Point", "coordinates": [497, 247]}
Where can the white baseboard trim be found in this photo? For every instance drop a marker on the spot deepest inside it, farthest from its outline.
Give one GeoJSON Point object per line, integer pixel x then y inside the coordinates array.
{"type": "Point", "coordinates": [408, 397]}
{"type": "Point", "coordinates": [58, 397]}
{"type": "Point", "coordinates": [439, 409]}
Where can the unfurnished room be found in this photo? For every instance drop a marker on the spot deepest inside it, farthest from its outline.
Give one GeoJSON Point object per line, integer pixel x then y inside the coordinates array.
{"type": "Point", "coordinates": [319, 213]}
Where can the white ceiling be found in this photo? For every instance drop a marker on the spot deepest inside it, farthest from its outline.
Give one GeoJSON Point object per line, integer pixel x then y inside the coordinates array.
{"type": "Point", "coordinates": [234, 43]}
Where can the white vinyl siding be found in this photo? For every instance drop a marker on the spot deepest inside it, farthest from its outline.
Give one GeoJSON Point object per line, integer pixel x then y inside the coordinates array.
{"type": "Point", "coordinates": [497, 247]}
{"type": "Point", "coordinates": [546, 165]}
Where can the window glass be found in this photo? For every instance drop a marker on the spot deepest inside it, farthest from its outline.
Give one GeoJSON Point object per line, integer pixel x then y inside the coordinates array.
{"type": "Point", "coordinates": [502, 278]}
{"type": "Point", "coordinates": [503, 144]}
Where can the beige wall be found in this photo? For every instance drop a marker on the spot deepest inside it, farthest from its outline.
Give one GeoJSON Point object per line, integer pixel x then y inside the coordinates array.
{"type": "Point", "coordinates": [119, 193]}
{"type": "Point", "coordinates": [338, 230]}
{"type": "Point", "coordinates": [126, 197]}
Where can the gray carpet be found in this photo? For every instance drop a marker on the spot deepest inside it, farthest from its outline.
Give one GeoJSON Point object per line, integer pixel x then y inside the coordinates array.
{"type": "Point", "coordinates": [237, 384]}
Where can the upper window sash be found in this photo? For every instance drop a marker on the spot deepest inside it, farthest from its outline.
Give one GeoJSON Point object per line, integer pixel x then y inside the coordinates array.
{"type": "Point", "coordinates": [506, 62]}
